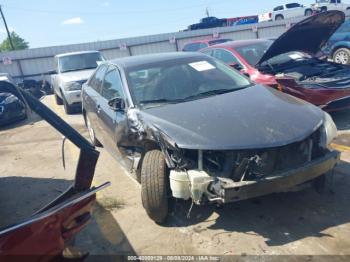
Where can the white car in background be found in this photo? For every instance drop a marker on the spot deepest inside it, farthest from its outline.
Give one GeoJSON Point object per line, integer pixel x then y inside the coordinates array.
{"type": "Point", "coordinates": [71, 71]}
{"type": "Point", "coordinates": [328, 5]}
{"type": "Point", "coordinates": [286, 11]}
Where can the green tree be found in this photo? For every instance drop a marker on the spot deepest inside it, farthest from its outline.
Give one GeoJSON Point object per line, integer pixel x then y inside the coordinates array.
{"type": "Point", "coordinates": [18, 43]}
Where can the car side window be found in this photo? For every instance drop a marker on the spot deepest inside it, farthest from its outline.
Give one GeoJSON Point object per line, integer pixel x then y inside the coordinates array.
{"type": "Point", "coordinates": [192, 47]}
{"type": "Point", "coordinates": [278, 8]}
{"type": "Point", "coordinates": [292, 5]}
{"type": "Point", "coordinates": [112, 85]}
{"type": "Point", "coordinates": [208, 52]}
{"type": "Point", "coordinates": [203, 45]}
{"type": "Point", "coordinates": [96, 81]}
{"type": "Point", "coordinates": [225, 56]}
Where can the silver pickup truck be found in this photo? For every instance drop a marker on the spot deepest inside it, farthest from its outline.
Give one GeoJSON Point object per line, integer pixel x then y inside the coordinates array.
{"type": "Point", "coordinates": [71, 71]}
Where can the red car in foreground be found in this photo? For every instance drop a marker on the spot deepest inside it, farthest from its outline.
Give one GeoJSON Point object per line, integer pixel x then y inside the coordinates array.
{"type": "Point", "coordinates": [290, 64]}
{"type": "Point", "coordinates": [45, 234]}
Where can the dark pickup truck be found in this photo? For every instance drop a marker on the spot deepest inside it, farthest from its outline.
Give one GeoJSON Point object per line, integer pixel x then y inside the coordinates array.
{"type": "Point", "coordinates": [209, 22]}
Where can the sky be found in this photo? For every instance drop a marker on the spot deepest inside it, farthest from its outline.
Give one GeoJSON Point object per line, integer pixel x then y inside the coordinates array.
{"type": "Point", "coordinates": [50, 23]}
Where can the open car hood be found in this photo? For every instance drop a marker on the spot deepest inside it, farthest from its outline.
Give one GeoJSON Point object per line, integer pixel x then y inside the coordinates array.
{"type": "Point", "coordinates": [308, 36]}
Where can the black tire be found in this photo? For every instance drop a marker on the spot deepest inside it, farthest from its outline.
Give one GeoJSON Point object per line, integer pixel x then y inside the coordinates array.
{"type": "Point", "coordinates": [324, 9]}
{"type": "Point", "coordinates": [58, 100]}
{"type": "Point", "coordinates": [342, 56]}
{"type": "Point", "coordinates": [93, 139]}
{"type": "Point", "coordinates": [308, 12]}
{"type": "Point", "coordinates": [154, 186]}
{"type": "Point", "coordinates": [279, 17]}
{"type": "Point", "coordinates": [67, 108]}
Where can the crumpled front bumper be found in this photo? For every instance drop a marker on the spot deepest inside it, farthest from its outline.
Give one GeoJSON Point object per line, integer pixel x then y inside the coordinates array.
{"type": "Point", "coordinates": [237, 191]}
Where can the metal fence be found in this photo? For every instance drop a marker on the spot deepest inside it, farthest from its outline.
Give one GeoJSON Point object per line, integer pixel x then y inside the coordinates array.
{"type": "Point", "coordinates": [36, 62]}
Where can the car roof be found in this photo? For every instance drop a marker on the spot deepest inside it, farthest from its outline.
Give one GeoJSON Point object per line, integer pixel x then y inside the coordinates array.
{"type": "Point", "coordinates": [207, 40]}
{"type": "Point", "coordinates": [77, 53]}
{"type": "Point", "coordinates": [133, 61]}
{"type": "Point", "coordinates": [239, 43]}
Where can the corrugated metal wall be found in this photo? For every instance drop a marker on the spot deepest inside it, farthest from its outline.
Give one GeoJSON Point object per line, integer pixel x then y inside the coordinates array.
{"type": "Point", "coordinates": [33, 63]}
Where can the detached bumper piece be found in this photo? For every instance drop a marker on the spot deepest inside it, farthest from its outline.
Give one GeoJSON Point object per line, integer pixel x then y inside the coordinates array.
{"type": "Point", "coordinates": [236, 191]}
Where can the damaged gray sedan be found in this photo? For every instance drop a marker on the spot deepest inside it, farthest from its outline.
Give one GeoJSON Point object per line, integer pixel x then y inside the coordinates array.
{"type": "Point", "coordinates": [189, 127]}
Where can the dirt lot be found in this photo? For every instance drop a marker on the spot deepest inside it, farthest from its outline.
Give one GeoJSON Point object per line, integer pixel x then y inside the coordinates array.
{"type": "Point", "coordinates": [290, 223]}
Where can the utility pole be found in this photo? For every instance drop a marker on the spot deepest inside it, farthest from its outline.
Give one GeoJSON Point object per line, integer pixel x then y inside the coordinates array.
{"type": "Point", "coordinates": [11, 43]}
{"type": "Point", "coordinates": [7, 30]}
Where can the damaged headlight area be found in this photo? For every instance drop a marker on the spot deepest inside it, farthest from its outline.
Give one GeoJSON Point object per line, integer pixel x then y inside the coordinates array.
{"type": "Point", "coordinates": [329, 131]}
{"type": "Point", "coordinates": [212, 176]}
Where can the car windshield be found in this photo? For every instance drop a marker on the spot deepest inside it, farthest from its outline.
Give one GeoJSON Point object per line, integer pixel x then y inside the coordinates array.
{"type": "Point", "coordinates": [322, 1]}
{"type": "Point", "coordinates": [182, 80]}
{"type": "Point", "coordinates": [79, 62]}
{"type": "Point", "coordinates": [252, 53]}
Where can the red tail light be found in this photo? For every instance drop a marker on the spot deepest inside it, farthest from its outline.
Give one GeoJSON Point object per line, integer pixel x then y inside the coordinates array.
{"type": "Point", "coordinates": [270, 15]}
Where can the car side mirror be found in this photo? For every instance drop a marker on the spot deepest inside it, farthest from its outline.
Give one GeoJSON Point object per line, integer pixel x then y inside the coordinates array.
{"type": "Point", "coordinates": [236, 66]}
{"type": "Point", "coordinates": [117, 104]}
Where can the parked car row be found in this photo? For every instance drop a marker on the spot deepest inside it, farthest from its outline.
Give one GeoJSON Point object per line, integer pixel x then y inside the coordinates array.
{"type": "Point", "coordinates": [213, 126]}
{"type": "Point", "coordinates": [212, 22]}
{"type": "Point", "coordinates": [292, 10]}
{"type": "Point", "coordinates": [190, 127]}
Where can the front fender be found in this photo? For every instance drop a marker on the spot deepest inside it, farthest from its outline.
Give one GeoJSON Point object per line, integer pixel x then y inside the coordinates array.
{"type": "Point", "coordinates": [339, 44]}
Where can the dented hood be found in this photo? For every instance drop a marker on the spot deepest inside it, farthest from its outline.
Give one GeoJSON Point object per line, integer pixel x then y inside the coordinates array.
{"type": "Point", "coordinates": [255, 117]}
{"type": "Point", "coordinates": [308, 36]}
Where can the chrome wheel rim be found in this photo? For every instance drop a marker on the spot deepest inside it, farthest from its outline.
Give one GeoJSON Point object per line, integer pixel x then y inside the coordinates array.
{"type": "Point", "coordinates": [341, 58]}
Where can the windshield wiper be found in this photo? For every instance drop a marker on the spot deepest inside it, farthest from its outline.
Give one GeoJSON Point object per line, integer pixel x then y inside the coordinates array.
{"type": "Point", "coordinates": [77, 69]}
{"type": "Point", "coordinates": [213, 92]}
{"type": "Point", "coordinates": [204, 94]}
{"type": "Point", "coordinates": [161, 100]}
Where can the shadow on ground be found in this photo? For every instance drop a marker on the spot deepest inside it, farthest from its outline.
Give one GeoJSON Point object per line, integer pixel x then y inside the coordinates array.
{"type": "Point", "coordinates": [342, 119]}
{"type": "Point", "coordinates": [103, 238]}
{"type": "Point", "coordinates": [23, 196]}
{"type": "Point", "coordinates": [279, 218]}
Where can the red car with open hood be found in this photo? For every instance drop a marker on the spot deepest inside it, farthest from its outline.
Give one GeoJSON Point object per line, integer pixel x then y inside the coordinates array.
{"type": "Point", "coordinates": [290, 64]}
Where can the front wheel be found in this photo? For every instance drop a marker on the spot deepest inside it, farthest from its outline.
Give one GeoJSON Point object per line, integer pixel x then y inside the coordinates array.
{"type": "Point", "coordinates": [154, 186]}
{"type": "Point", "coordinates": [58, 100]}
{"type": "Point", "coordinates": [67, 107]}
{"type": "Point", "coordinates": [342, 56]}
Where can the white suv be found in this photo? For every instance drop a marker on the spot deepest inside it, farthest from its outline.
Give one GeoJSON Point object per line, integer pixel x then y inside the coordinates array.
{"type": "Point", "coordinates": [286, 11]}
{"type": "Point", "coordinates": [71, 71]}
{"type": "Point", "coordinates": [328, 5]}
